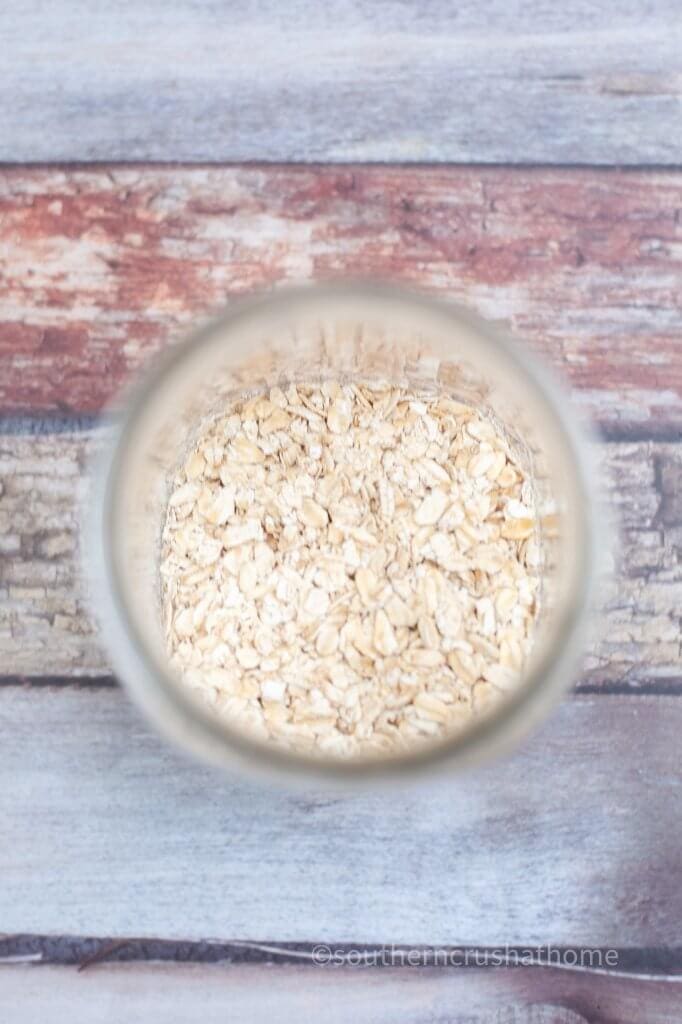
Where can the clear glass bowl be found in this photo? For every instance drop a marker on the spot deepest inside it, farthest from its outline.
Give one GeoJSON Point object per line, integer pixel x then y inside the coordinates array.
{"type": "Point", "coordinates": [341, 331]}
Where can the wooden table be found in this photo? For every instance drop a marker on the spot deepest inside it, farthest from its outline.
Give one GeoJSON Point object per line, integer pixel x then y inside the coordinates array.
{"type": "Point", "coordinates": [523, 159]}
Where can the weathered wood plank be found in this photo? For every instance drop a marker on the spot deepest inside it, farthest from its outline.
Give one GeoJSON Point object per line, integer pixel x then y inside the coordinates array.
{"type": "Point", "coordinates": [108, 831]}
{"type": "Point", "coordinates": [101, 267]}
{"type": "Point", "coordinates": [156, 992]}
{"type": "Point", "coordinates": [45, 625]}
{"type": "Point", "coordinates": [583, 83]}
{"type": "Point", "coordinates": [44, 618]}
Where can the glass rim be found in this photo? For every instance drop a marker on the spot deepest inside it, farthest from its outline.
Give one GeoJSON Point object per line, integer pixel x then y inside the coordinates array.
{"type": "Point", "coordinates": [178, 714]}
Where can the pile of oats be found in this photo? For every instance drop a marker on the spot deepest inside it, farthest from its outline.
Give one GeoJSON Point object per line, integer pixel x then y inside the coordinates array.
{"type": "Point", "coordinates": [350, 569]}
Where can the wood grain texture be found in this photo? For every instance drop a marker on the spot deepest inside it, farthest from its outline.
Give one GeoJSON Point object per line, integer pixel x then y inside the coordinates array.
{"type": "Point", "coordinates": [102, 267]}
{"type": "Point", "coordinates": [155, 992]}
{"type": "Point", "coordinates": [45, 626]}
{"type": "Point", "coordinates": [347, 80]}
{"type": "Point", "coordinates": [573, 841]}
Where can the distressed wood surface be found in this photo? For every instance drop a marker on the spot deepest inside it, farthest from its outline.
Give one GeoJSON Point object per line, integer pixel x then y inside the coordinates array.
{"type": "Point", "coordinates": [45, 626]}
{"type": "Point", "coordinates": [588, 82]}
{"type": "Point", "coordinates": [107, 831]}
{"type": "Point", "coordinates": [101, 267]}
{"type": "Point", "coordinates": [573, 841]}
{"type": "Point", "coordinates": [294, 994]}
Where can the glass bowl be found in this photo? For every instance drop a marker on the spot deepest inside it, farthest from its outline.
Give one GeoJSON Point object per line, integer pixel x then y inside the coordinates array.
{"type": "Point", "coordinates": [342, 331]}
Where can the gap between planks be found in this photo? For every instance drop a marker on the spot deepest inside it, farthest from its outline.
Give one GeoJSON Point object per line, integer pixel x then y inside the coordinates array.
{"type": "Point", "coordinates": [69, 166]}
{"type": "Point", "coordinates": [669, 687]}
{"type": "Point", "coordinates": [42, 424]}
{"type": "Point", "coordinates": [654, 963]}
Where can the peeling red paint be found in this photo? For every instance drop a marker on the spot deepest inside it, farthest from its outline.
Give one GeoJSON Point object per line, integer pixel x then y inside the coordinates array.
{"type": "Point", "coordinates": [102, 267]}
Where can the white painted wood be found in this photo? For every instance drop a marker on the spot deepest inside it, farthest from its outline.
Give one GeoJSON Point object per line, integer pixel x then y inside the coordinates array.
{"type": "Point", "coordinates": [107, 831]}
{"type": "Point", "coordinates": [174, 994]}
{"type": "Point", "coordinates": [590, 81]}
